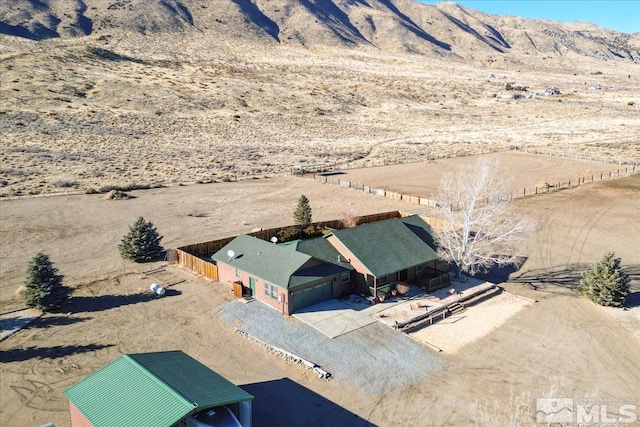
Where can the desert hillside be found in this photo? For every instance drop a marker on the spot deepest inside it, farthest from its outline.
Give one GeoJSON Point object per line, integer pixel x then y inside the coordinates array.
{"type": "Point", "coordinates": [165, 92]}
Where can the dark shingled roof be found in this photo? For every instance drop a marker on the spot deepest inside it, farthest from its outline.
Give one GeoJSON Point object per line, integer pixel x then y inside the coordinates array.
{"type": "Point", "coordinates": [385, 247]}
{"type": "Point", "coordinates": [320, 249]}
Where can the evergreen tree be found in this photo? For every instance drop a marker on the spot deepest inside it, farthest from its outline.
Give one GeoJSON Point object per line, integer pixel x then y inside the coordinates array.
{"type": "Point", "coordinates": [302, 214]}
{"type": "Point", "coordinates": [44, 288]}
{"type": "Point", "coordinates": [141, 243]}
{"type": "Point", "coordinates": [605, 283]}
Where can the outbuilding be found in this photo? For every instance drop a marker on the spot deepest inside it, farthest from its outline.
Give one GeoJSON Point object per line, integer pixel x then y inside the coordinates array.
{"type": "Point", "coordinates": [160, 389]}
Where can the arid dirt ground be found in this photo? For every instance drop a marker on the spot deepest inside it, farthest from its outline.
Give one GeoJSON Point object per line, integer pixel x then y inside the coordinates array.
{"type": "Point", "coordinates": [109, 314]}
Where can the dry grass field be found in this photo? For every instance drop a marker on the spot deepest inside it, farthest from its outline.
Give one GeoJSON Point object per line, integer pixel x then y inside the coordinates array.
{"type": "Point", "coordinates": [562, 334]}
{"type": "Point", "coordinates": [82, 115]}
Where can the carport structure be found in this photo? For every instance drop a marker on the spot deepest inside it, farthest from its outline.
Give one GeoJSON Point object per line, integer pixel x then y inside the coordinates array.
{"type": "Point", "coordinates": [159, 389]}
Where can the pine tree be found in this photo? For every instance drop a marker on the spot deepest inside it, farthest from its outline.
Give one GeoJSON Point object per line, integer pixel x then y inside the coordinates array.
{"type": "Point", "coordinates": [302, 214]}
{"type": "Point", "coordinates": [44, 288]}
{"type": "Point", "coordinates": [605, 283]}
{"type": "Point", "coordinates": [141, 243]}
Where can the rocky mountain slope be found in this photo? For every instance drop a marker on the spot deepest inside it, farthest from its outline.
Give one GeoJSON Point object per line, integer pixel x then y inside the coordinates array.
{"type": "Point", "coordinates": [445, 29]}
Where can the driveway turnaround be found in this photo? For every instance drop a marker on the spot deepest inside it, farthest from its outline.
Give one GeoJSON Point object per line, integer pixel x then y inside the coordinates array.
{"type": "Point", "coordinates": [334, 317]}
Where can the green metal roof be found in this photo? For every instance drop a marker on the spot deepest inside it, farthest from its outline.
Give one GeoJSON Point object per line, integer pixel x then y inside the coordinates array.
{"type": "Point", "coordinates": [193, 380]}
{"type": "Point", "coordinates": [276, 264]}
{"type": "Point", "coordinates": [151, 390]}
{"type": "Point", "coordinates": [385, 247]}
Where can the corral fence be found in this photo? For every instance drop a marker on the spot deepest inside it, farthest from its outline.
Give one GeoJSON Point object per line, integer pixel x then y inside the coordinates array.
{"type": "Point", "coordinates": [467, 152]}
{"type": "Point", "coordinates": [577, 182]}
{"type": "Point", "coordinates": [197, 257]}
{"type": "Point", "coordinates": [525, 192]}
{"type": "Point", "coordinates": [369, 163]}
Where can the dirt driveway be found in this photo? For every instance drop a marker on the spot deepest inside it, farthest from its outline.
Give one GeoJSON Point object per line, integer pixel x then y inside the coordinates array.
{"type": "Point", "coordinates": [561, 335]}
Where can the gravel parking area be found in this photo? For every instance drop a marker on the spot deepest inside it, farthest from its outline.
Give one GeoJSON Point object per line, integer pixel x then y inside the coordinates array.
{"type": "Point", "coordinates": [374, 359]}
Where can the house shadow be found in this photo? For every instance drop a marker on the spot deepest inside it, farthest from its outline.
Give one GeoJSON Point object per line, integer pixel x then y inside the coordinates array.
{"type": "Point", "coordinates": [22, 354]}
{"type": "Point", "coordinates": [332, 173]}
{"type": "Point", "coordinates": [286, 403]}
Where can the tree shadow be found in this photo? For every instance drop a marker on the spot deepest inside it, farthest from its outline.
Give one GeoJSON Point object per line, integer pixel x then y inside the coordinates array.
{"type": "Point", "coordinates": [51, 321]}
{"type": "Point", "coordinates": [285, 402]}
{"type": "Point", "coordinates": [105, 302]}
{"type": "Point", "coordinates": [502, 274]}
{"type": "Point", "coordinates": [22, 354]}
{"type": "Point", "coordinates": [567, 277]}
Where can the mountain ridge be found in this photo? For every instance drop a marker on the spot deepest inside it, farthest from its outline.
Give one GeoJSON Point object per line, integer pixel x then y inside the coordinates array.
{"type": "Point", "coordinates": [445, 29]}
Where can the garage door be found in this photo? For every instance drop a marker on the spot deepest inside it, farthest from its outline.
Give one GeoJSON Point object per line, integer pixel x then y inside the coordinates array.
{"type": "Point", "coordinates": [312, 295]}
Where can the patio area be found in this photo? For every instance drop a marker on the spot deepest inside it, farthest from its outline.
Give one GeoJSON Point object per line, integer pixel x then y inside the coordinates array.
{"type": "Point", "coordinates": [334, 318]}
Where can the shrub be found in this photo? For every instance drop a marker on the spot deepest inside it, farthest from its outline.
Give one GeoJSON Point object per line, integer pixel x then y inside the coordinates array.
{"type": "Point", "coordinates": [44, 288]}
{"type": "Point", "coordinates": [195, 213]}
{"type": "Point", "coordinates": [605, 283]}
{"type": "Point", "coordinates": [288, 234]}
{"type": "Point", "coordinates": [63, 183]}
{"type": "Point", "coordinates": [312, 231]}
{"type": "Point", "coordinates": [141, 243]}
{"type": "Point", "coordinates": [631, 103]}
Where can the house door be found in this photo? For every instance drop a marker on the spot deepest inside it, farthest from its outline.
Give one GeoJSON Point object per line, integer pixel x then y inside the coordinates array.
{"type": "Point", "coordinates": [252, 286]}
{"type": "Point", "coordinates": [402, 276]}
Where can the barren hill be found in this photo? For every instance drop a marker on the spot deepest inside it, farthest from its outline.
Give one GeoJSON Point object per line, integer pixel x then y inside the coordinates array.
{"type": "Point", "coordinates": [396, 25]}
{"type": "Point", "coordinates": [150, 92]}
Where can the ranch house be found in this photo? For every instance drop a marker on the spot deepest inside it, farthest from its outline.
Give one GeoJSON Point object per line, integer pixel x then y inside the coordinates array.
{"type": "Point", "coordinates": [368, 259]}
{"type": "Point", "coordinates": [161, 389]}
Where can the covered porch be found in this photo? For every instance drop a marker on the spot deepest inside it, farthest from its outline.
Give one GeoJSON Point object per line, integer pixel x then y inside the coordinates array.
{"type": "Point", "coordinates": [429, 278]}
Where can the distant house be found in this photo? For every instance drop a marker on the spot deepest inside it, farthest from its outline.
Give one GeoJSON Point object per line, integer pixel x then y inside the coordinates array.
{"type": "Point", "coordinates": [366, 259]}
{"type": "Point", "coordinates": [161, 389]}
{"type": "Point", "coordinates": [552, 91]}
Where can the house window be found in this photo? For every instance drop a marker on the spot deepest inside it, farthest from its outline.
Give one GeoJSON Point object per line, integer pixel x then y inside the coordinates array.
{"type": "Point", "coordinates": [418, 269]}
{"type": "Point", "coordinates": [346, 277]}
{"type": "Point", "coordinates": [383, 279]}
{"type": "Point", "coordinates": [237, 273]}
{"type": "Point", "coordinates": [271, 291]}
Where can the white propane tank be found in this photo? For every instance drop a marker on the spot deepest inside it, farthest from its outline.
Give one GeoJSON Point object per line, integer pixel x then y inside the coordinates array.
{"type": "Point", "coordinates": [157, 289]}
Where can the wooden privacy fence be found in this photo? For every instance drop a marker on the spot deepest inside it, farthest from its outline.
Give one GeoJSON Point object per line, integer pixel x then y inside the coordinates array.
{"type": "Point", "coordinates": [197, 257]}
{"type": "Point", "coordinates": [197, 264]}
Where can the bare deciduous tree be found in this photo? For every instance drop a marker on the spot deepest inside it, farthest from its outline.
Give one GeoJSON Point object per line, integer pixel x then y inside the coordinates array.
{"type": "Point", "coordinates": [479, 225]}
{"type": "Point", "coordinates": [349, 219]}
